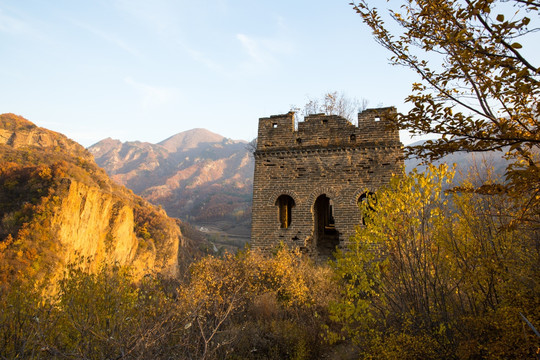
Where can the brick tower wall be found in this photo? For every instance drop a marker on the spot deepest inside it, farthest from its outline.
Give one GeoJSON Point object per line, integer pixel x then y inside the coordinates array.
{"type": "Point", "coordinates": [326, 155]}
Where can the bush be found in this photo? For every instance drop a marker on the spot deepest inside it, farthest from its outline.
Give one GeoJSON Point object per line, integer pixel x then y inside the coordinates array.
{"type": "Point", "coordinates": [438, 275]}
{"type": "Point", "coordinates": [245, 306]}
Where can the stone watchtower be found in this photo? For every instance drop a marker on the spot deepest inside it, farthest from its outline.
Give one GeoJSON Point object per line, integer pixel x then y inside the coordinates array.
{"type": "Point", "coordinates": [308, 181]}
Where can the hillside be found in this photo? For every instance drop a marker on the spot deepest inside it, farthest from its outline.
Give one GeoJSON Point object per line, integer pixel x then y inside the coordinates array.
{"type": "Point", "coordinates": [57, 207]}
{"type": "Point", "coordinates": [465, 162]}
{"type": "Point", "coordinates": [196, 175]}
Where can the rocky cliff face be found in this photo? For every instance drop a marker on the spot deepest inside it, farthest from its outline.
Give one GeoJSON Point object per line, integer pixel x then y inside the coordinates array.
{"type": "Point", "coordinates": [58, 207]}
{"type": "Point", "coordinates": [195, 175]}
{"type": "Point", "coordinates": [91, 223]}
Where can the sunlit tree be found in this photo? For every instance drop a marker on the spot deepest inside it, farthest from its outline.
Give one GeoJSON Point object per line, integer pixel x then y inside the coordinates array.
{"type": "Point", "coordinates": [437, 274]}
{"type": "Point", "coordinates": [479, 87]}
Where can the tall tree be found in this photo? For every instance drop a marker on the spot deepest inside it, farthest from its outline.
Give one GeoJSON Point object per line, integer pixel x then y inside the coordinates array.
{"type": "Point", "coordinates": [479, 91]}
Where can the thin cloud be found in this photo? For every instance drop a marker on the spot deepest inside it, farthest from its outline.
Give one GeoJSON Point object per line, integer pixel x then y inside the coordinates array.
{"type": "Point", "coordinates": [16, 26]}
{"type": "Point", "coordinates": [12, 25]}
{"type": "Point", "coordinates": [202, 58]}
{"type": "Point", "coordinates": [153, 96]}
{"type": "Point", "coordinates": [263, 51]}
{"type": "Point", "coordinates": [109, 37]}
{"type": "Point", "coordinates": [253, 48]}
{"type": "Point", "coordinates": [156, 14]}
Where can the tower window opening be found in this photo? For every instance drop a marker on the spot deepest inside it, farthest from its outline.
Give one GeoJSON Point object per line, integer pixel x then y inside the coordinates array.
{"type": "Point", "coordinates": [365, 200]}
{"type": "Point", "coordinates": [285, 203]}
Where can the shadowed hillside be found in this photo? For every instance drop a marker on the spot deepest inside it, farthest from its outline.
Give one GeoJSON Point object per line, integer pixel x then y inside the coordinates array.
{"type": "Point", "coordinates": [465, 162]}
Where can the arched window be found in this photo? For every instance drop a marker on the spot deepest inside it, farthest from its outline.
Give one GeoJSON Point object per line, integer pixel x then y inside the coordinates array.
{"type": "Point", "coordinates": [285, 203]}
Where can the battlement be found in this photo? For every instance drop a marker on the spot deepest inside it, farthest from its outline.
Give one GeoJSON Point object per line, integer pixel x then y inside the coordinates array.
{"type": "Point", "coordinates": [319, 130]}
{"type": "Point", "coordinates": [309, 180]}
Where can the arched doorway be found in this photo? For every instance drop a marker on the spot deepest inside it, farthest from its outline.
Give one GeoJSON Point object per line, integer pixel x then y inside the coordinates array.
{"type": "Point", "coordinates": [326, 235]}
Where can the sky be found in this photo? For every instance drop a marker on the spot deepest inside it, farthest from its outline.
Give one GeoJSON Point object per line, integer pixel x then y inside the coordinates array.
{"type": "Point", "coordinates": [146, 70]}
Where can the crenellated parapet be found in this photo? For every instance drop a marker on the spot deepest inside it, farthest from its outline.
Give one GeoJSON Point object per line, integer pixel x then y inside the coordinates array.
{"type": "Point", "coordinates": [374, 129]}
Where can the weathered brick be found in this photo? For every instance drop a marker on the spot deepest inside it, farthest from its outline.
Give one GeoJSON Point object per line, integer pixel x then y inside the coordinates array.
{"type": "Point", "coordinates": [325, 162]}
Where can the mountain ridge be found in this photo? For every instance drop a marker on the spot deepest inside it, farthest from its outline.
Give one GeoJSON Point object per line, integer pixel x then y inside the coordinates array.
{"type": "Point", "coordinates": [196, 175]}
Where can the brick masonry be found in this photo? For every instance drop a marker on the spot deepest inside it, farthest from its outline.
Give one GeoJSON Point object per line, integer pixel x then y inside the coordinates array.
{"type": "Point", "coordinates": [324, 166]}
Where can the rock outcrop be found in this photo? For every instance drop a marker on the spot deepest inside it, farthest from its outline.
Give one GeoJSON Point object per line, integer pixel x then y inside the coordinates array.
{"type": "Point", "coordinates": [58, 207]}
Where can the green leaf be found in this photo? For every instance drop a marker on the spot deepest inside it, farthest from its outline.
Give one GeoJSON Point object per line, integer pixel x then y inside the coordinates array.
{"type": "Point", "coordinates": [500, 17]}
{"type": "Point", "coordinates": [516, 45]}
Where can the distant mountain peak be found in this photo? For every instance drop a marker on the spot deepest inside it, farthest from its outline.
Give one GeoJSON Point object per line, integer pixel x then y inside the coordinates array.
{"type": "Point", "coordinates": [190, 139]}
{"type": "Point", "coordinates": [196, 175]}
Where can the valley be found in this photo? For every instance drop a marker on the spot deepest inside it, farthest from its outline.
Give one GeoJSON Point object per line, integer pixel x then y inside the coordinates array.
{"type": "Point", "coordinates": [197, 176]}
